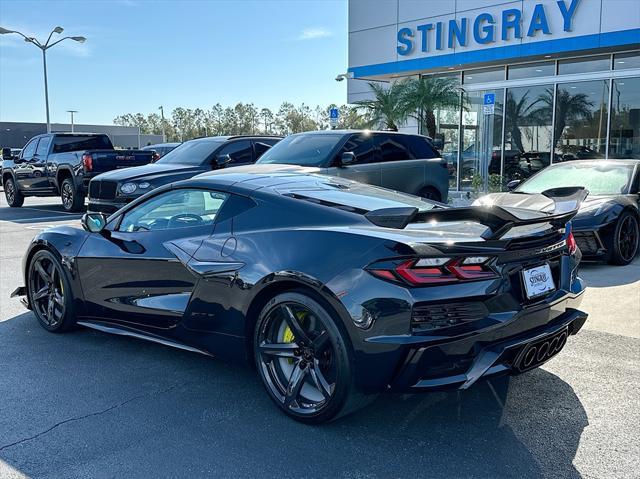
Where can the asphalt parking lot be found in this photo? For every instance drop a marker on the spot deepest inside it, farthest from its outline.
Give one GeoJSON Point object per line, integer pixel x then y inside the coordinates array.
{"type": "Point", "coordinates": [87, 404]}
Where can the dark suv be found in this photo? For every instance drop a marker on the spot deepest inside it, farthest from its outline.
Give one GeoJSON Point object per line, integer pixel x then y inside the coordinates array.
{"type": "Point", "coordinates": [399, 161]}
{"type": "Point", "coordinates": [111, 191]}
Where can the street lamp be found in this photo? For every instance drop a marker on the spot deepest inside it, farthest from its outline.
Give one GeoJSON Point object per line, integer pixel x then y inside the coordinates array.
{"type": "Point", "coordinates": [44, 47]}
{"type": "Point", "coordinates": [72, 112]}
{"type": "Point", "coordinates": [164, 136]}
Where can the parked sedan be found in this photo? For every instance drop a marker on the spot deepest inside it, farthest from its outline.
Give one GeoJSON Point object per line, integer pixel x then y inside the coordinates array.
{"type": "Point", "coordinates": [336, 290]}
{"type": "Point", "coordinates": [399, 161]}
{"type": "Point", "coordinates": [109, 192]}
{"type": "Point", "coordinates": [607, 226]}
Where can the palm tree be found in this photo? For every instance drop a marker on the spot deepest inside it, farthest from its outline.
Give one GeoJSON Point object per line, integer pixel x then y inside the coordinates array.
{"type": "Point", "coordinates": [426, 95]}
{"type": "Point", "coordinates": [518, 113]}
{"type": "Point", "coordinates": [569, 108]}
{"type": "Point", "coordinates": [388, 107]}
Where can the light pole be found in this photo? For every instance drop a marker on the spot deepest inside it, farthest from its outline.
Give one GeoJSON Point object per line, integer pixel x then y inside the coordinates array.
{"type": "Point", "coordinates": [72, 112]}
{"type": "Point", "coordinates": [44, 47]}
{"type": "Point", "coordinates": [164, 137]}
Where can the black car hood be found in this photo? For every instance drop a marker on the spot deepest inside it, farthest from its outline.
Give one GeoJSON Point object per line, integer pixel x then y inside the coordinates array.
{"type": "Point", "coordinates": [152, 171]}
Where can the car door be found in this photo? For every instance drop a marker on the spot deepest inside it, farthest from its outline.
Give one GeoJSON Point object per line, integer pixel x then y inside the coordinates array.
{"type": "Point", "coordinates": [365, 168]}
{"type": "Point", "coordinates": [40, 178]}
{"type": "Point", "coordinates": [135, 271]}
{"type": "Point", "coordinates": [401, 170]}
{"type": "Point", "coordinates": [23, 168]}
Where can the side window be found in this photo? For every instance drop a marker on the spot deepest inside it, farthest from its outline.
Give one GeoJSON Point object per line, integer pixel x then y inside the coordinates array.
{"type": "Point", "coordinates": [261, 146]}
{"type": "Point", "coordinates": [43, 146]}
{"type": "Point", "coordinates": [392, 148]}
{"type": "Point", "coordinates": [30, 149]}
{"type": "Point", "coordinates": [421, 147]}
{"type": "Point", "coordinates": [174, 209]}
{"type": "Point", "coordinates": [362, 147]}
{"type": "Point", "coordinates": [239, 151]}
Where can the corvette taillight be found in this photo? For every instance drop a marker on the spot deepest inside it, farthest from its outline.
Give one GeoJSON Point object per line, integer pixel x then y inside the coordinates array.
{"type": "Point", "coordinates": [571, 244]}
{"type": "Point", "coordinates": [430, 271]}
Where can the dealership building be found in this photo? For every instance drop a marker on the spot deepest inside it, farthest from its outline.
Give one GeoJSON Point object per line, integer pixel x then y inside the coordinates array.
{"type": "Point", "coordinates": [541, 81]}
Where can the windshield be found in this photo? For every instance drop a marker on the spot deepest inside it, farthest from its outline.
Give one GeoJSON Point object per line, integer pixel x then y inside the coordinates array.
{"type": "Point", "coordinates": [302, 150]}
{"type": "Point", "coordinates": [598, 178]}
{"type": "Point", "coordinates": [191, 152]}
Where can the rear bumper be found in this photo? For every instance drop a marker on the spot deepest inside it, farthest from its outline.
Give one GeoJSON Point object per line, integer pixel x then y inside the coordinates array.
{"type": "Point", "coordinates": [509, 356]}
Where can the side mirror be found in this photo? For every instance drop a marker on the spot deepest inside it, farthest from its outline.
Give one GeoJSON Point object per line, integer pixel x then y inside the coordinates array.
{"type": "Point", "coordinates": [513, 184]}
{"type": "Point", "coordinates": [438, 143]}
{"type": "Point", "coordinates": [6, 153]}
{"type": "Point", "coordinates": [347, 158]}
{"type": "Point", "coordinates": [222, 161]}
{"type": "Point", "coordinates": [94, 222]}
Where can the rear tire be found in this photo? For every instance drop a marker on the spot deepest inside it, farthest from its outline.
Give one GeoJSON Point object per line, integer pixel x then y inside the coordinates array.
{"type": "Point", "coordinates": [625, 238]}
{"type": "Point", "coordinates": [431, 193]}
{"type": "Point", "coordinates": [72, 199]}
{"type": "Point", "coordinates": [49, 293]}
{"type": "Point", "coordinates": [303, 359]}
{"type": "Point", "coordinates": [15, 199]}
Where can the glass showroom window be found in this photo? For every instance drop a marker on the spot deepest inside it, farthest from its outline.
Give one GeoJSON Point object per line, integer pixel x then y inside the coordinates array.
{"type": "Point", "coordinates": [624, 134]}
{"type": "Point", "coordinates": [484, 75]}
{"type": "Point", "coordinates": [447, 130]}
{"type": "Point", "coordinates": [584, 65]}
{"type": "Point", "coordinates": [625, 61]}
{"type": "Point", "coordinates": [532, 70]}
{"type": "Point", "coordinates": [527, 144]}
{"type": "Point", "coordinates": [481, 140]}
{"type": "Point", "coordinates": [580, 129]}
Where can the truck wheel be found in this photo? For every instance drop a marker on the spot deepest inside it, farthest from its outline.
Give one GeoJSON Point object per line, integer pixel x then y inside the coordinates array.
{"type": "Point", "coordinates": [431, 193]}
{"type": "Point", "coordinates": [15, 199]}
{"type": "Point", "coordinates": [72, 200]}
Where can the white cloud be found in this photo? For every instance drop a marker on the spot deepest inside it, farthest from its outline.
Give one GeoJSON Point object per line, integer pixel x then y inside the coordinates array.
{"type": "Point", "coordinates": [313, 33]}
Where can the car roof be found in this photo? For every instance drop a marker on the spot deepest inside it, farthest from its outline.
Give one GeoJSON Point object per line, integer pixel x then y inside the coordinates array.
{"type": "Point", "coordinates": [611, 161]}
{"type": "Point", "coordinates": [351, 131]}
{"type": "Point", "coordinates": [232, 137]}
{"type": "Point", "coordinates": [157, 145]}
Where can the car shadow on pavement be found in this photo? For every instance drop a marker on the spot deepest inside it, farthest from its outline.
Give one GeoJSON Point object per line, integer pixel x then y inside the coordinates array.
{"type": "Point", "coordinates": [88, 404]}
{"type": "Point", "coordinates": [598, 275]}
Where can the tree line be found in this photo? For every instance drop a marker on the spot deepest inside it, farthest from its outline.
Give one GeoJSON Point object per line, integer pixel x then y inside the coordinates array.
{"type": "Point", "coordinates": [242, 119]}
{"type": "Point", "coordinates": [390, 106]}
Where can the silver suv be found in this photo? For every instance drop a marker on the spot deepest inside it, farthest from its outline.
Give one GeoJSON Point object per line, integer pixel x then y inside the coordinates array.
{"type": "Point", "coordinates": [398, 161]}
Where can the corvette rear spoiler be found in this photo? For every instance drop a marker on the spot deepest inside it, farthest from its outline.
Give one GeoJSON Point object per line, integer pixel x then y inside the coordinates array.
{"type": "Point", "coordinates": [498, 219]}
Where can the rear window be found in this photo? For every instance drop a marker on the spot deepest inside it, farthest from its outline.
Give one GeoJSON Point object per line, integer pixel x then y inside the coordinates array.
{"type": "Point", "coordinates": [195, 152]}
{"type": "Point", "coordinates": [63, 144]}
{"type": "Point", "coordinates": [302, 150]}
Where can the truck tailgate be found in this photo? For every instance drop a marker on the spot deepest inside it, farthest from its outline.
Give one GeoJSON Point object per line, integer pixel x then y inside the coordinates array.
{"type": "Point", "coordinates": [107, 160]}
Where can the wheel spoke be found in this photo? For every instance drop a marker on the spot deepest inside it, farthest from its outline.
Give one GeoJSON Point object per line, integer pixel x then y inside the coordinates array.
{"type": "Point", "coordinates": [294, 324]}
{"type": "Point", "coordinates": [58, 299]}
{"type": "Point", "coordinates": [50, 308]}
{"type": "Point", "coordinates": [295, 384]}
{"type": "Point", "coordinates": [44, 274]}
{"type": "Point", "coordinates": [320, 342]}
{"type": "Point", "coordinates": [282, 350]}
{"type": "Point", "coordinates": [319, 380]}
{"type": "Point", "coordinates": [43, 292]}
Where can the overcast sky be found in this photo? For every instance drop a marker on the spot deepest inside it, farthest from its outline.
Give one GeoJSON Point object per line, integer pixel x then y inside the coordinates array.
{"type": "Point", "coordinates": [141, 54]}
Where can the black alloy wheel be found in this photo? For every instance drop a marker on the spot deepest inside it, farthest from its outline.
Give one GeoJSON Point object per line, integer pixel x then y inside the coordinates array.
{"type": "Point", "coordinates": [49, 293]}
{"type": "Point", "coordinates": [15, 199]}
{"type": "Point", "coordinates": [71, 199]}
{"type": "Point", "coordinates": [626, 239]}
{"type": "Point", "coordinates": [302, 358]}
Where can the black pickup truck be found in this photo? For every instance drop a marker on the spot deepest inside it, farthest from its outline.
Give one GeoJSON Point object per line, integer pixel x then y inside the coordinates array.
{"type": "Point", "coordinates": [63, 164]}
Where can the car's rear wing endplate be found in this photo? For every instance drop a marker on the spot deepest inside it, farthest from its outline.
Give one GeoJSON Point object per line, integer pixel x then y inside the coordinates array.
{"type": "Point", "coordinates": [498, 219]}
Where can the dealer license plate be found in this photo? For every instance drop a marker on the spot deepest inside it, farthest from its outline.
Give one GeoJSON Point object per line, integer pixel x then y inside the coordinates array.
{"type": "Point", "coordinates": [538, 281]}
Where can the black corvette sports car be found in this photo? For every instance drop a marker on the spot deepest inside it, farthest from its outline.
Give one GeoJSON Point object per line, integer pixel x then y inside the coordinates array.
{"type": "Point", "coordinates": [335, 290]}
{"type": "Point", "coordinates": [607, 226]}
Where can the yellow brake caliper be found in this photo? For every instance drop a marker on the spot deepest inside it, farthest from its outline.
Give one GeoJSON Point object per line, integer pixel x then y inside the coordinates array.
{"type": "Point", "coordinates": [288, 335]}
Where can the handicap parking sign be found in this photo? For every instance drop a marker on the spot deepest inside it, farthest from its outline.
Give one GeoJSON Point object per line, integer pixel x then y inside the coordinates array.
{"type": "Point", "coordinates": [333, 116]}
{"type": "Point", "coordinates": [489, 103]}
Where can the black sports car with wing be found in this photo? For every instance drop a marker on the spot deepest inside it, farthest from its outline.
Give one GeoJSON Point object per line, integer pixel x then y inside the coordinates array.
{"type": "Point", "coordinates": [335, 290]}
{"type": "Point", "coordinates": [607, 226]}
